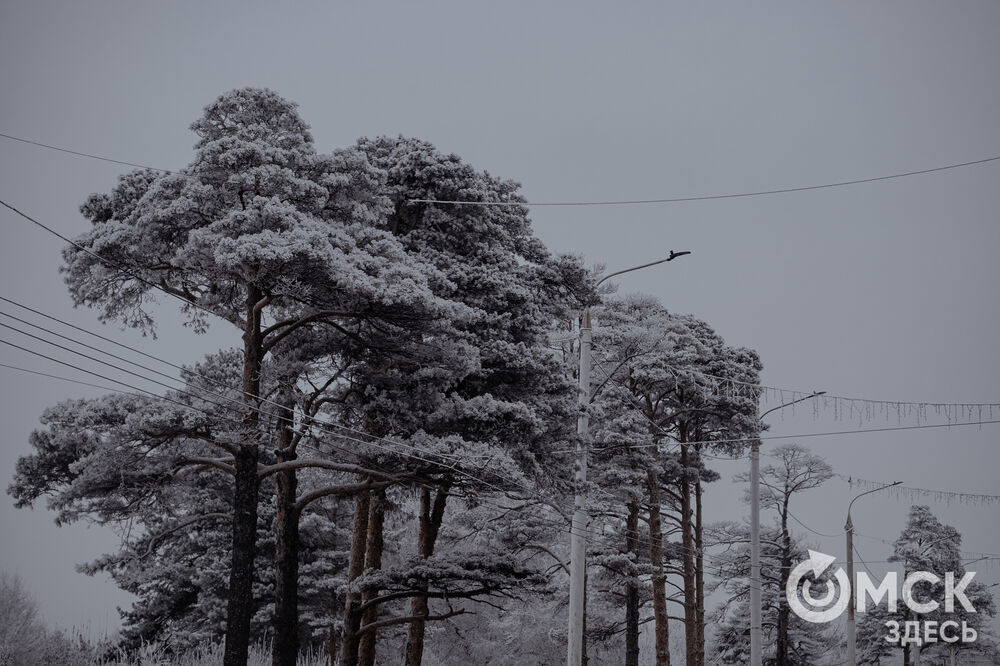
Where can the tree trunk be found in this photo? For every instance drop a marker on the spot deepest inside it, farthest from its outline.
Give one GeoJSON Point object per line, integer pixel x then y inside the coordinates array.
{"type": "Point", "coordinates": [350, 641]}
{"type": "Point", "coordinates": [687, 545]}
{"type": "Point", "coordinates": [907, 661]}
{"type": "Point", "coordinates": [373, 562]}
{"type": "Point", "coordinates": [699, 572]}
{"type": "Point", "coordinates": [285, 650]}
{"type": "Point", "coordinates": [246, 485]}
{"type": "Point", "coordinates": [331, 645]}
{"type": "Point", "coordinates": [430, 522]}
{"type": "Point", "coordinates": [659, 577]}
{"type": "Point", "coordinates": [632, 589]}
{"type": "Point", "coordinates": [583, 630]}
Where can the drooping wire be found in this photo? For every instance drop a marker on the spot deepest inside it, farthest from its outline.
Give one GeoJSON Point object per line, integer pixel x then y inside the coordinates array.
{"type": "Point", "coordinates": [623, 202]}
{"type": "Point", "coordinates": [709, 197]}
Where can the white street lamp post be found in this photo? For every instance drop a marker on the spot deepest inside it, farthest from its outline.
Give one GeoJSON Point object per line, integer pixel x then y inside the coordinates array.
{"type": "Point", "coordinates": [849, 530]}
{"type": "Point", "coordinates": [756, 621]}
{"type": "Point", "coordinates": [578, 531]}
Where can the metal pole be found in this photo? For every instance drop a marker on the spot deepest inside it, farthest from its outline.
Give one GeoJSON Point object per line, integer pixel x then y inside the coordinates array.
{"type": "Point", "coordinates": [755, 602]}
{"type": "Point", "coordinates": [849, 530]}
{"type": "Point", "coordinates": [756, 622]}
{"type": "Point", "coordinates": [851, 640]}
{"type": "Point", "coordinates": [578, 542]}
{"type": "Point", "coordinates": [578, 531]}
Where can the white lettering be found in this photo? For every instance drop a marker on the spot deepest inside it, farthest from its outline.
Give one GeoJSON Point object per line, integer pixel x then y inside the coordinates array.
{"type": "Point", "coordinates": [911, 602]}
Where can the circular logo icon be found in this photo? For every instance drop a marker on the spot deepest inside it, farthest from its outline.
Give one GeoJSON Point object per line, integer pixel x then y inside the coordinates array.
{"type": "Point", "coordinates": [823, 609]}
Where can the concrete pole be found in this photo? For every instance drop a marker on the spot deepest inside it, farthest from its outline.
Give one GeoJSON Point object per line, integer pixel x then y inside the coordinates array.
{"type": "Point", "coordinates": [578, 542]}
{"type": "Point", "coordinates": [852, 659]}
{"type": "Point", "coordinates": [578, 532]}
{"type": "Point", "coordinates": [849, 531]}
{"type": "Point", "coordinates": [755, 587]}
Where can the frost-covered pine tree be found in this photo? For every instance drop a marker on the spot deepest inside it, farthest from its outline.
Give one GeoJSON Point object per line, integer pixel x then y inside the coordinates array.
{"type": "Point", "coordinates": [926, 544]}
{"type": "Point", "coordinates": [788, 640]}
{"type": "Point", "coordinates": [266, 234]}
{"type": "Point", "coordinates": [488, 400]}
{"type": "Point", "coordinates": [661, 396]}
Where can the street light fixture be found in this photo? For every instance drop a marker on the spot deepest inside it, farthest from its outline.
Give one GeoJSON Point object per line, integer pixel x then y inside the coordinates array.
{"type": "Point", "coordinates": [849, 529]}
{"type": "Point", "coordinates": [756, 622]}
{"type": "Point", "coordinates": [578, 541]}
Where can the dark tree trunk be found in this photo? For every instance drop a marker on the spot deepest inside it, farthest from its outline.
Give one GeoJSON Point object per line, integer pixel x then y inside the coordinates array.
{"type": "Point", "coordinates": [583, 632]}
{"type": "Point", "coordinates": [244, 543]}
{"type": "Point", "coordinates": [431, 516]}
{"type": "Point", "coordinates": [373, 562]}
{"type": "Point", "coordinates": [687, 545]}
{"type": "Point", "coordinates": [240, 606]}
{"type": "Point", "coordinates": [632, 589]}
{"type": "Point", "coordinates": [699, 572]}
{"type": "Point", "coordinates": [350, 641]}
{"type": "Point", "coordinates": [907, 655]}
{"type": "Point", "coordinates": [285, 650]}
{"type": "Point", "coordinates": [659, 577]}
{"type": "Point", "coordinates": [331, 645]}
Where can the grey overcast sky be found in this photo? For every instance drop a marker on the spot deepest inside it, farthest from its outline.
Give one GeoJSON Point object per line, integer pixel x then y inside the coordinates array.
{"type": "Point", "coordinates": [885, 290]}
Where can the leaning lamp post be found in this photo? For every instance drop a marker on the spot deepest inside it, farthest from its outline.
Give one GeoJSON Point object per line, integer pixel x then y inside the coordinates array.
{"type": "Point", "coordinates": [849, 533]}
{"type": "Point", "coordinates": [578, 531]}
{"type": "Point", "coordinates": [756, 621]}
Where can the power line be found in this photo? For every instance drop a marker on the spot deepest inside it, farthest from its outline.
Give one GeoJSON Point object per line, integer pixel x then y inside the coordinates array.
{"type": "Point", "coordinates": [312, 419]}
{"type": "Point", "coordinates": [710, 197]}
{"type": "Point", "coordinates": [154, 286]}
{"type": "Point", "coordinates": [177, 402]}
{"type": "Point", "coordinates": [802, 435]}
{"type": "Point", "coordinates": [191, 395]}
{"type": "Point", "coordinates": [104, 377]}
{"type": "Point", "coordinates": [59, 377]}
{"type": "Point", "coordinates": [452, 467]}
{"type": "Point", "coordinates": [193, 371]}
{"type": "Point", "coordinates": [592, 539]}
{"type": "Point", "coordinates": [139, 391]}
{"type": "Point", "coordinates": [110, 262]}
{"type": "Point", "coordinates": [89, 155]}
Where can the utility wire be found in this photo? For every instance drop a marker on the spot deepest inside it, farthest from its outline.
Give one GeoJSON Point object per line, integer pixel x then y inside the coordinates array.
{"type": "Point", "coordinates": [144, 281]}
{"type": "Point", "coordinates": [139, 391]}
{"type": "Point", "coordinates": [453, 467]}
{"type": "Point", "coordinates": [130, 272]}
{"type": "Point", "coordinates": [59, 377]}
{"type": "Point", "coordinates": [710, 197]}
{"type": "Point", "coordinates": [559, 525]}
{"type": "Point", "coordinates": [802, 435]}
{"type": "Point", "coordinates": [106, 378]}
{"type": "Point", "coordinates": [186, 302]}
{"type": "Point", "coordinates": [74, 152]}
{"type": "Point", "coordinates": [187, 386]}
